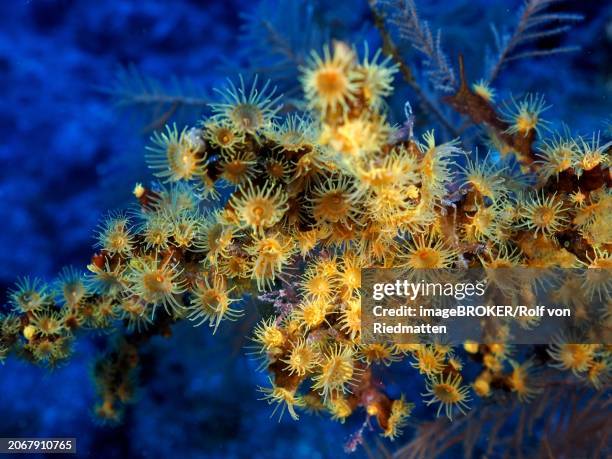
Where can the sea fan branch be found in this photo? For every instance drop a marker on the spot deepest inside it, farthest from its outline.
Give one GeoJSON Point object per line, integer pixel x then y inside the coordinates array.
{"type": "Point", "coordinates": [534, 24]}
{"type": "Point", "coordinates": [272, 45]}
{"type": "Point", "coordinates": [583, 415]}
{"type": "Point", "coordinates": [132, 89]}
{"type": "Point", "coordinates": [418, 33]}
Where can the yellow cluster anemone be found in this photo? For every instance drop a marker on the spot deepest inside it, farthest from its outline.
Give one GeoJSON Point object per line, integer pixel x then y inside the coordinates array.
{"type": "Point", "coordinates": [285, 210]}
{"type": "Point", "coordinates": [544, 214]}
{"type": "Point", "coordinates": [337, 373]}
{"type": "Point", "coordinates": [157, 282]}
{"type": "Point", "coordinates": [211, 303]}
{"type": "Point", "coordinates": [524, 116]}
{"type": "Point", "coordinates": [248, 110]}
{"type": "Point", "coordinates": [448, 393]}
{"type": "Point", "coordinates": [29, 295]}
{"type": "Point", "coordinates": [329, 81]}
{"type": "Point", "coordinates": [260, 208]}
{"type": "Point", "coordinates": [115, 235]}
{"type": "Point", "coordinates": [176, 156]}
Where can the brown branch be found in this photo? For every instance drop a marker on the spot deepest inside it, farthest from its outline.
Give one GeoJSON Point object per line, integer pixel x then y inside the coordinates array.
{"type": "Point", "coordinates": [481, 111]}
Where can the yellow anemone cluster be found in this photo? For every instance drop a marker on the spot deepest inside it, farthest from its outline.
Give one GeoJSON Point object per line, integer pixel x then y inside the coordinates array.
{"type": "Point", "coordinates": [306, 203]}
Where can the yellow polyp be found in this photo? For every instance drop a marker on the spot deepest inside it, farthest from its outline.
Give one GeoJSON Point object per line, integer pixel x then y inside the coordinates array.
{"type": "Point", "coordinates": [526, 123]}
{"type": "Point", "coordinates": [471, 347]}
{"type": "Point", "coordinates": [139, 190]}
{"type": "Point", "coordinates": [29, 331]}
{"type": "Point", "coordinates": [484, 90]}
{"type": "Point", "coordinates": [482, 387]}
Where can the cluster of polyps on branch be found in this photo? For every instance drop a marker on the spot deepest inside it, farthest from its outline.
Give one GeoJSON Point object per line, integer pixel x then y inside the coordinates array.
{"type": "Point", "coordinates": [313, 199]}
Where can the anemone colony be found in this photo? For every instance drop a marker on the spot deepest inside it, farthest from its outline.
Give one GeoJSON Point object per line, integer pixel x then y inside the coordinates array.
{"type": "Point", "coordinates": [292, 208]}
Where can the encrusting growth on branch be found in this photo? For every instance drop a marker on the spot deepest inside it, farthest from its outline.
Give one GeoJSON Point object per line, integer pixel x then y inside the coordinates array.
{"type": "Point", "coordinates": [290, 210]}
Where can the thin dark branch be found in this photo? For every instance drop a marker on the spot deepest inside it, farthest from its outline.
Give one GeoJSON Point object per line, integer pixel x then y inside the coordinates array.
{"type": "Point", "coordinates": [533, 25]}
{"type": "Point", "coordinates": [390, 49]}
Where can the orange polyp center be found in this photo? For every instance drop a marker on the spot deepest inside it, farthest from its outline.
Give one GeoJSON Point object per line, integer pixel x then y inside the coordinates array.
{"type": "Point", "coordinates": [330, 82]}
{"type": "Point", "coordinates": [276, 170]}
{"type": "Point", "coordinates": [117, 241]}
{"type": "Point", "coordinates": [577, 355]}
{"type": "Point", "coordinates": [333, 207]}
{"type": "Point", "coordinates": [224, 137]}
{"type": "Point", "coordinates": [565, 161]}
{"type": "Point", "coordinates": [482, 220]}
{"type": "Point", "coordinates": [429, 257]}
{"type": "Point", "coordinates": [273, 337]}
{"type": "Point", "coordinates": [445, 393]}
{"type": "Point", "coordinates": [376, 353]}
{"type": "Point", "coordinates": [211, 298]}
{"type": "Point", "coordinates": [134, 308]}
{"type": "Point", "coordinates": [428, 361]}
{"type": "Point", "coordinates": [213, 237]}
{"type": "Point", "coordinates": [235, 265]}
{"type": "Point", "coordinates": [236, 167]}
{"type": "Point", "coordinates": [154, 282]}
{"type": "Point", "coordinates": [270, 247]}
{"type": "Point", "coordinates": [319, 285]}
{"type": "Point", "coordinates": [300, 357]}
{"type": "Point", "coordinates": [544, 216]}
{"type": "Point", "coordinates": [258, 213]}
{"type": "Point", "coordinates": [313, 315]}
{"type": "Point", "coordinates": [30, 298]}
{"type": "Point", "coordinates": [46, 324]}
{"type": "Point", "coordinates": [339, 371]}
{"type": "Point", "coordinates": [526, 122]}
{"type": "Point", "coordinates": [518, 380]}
